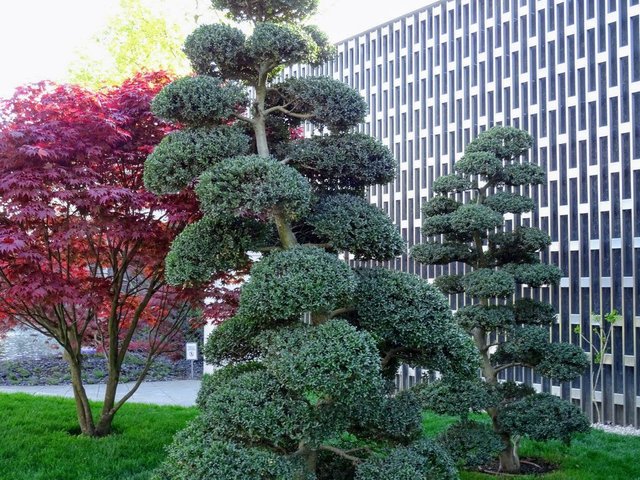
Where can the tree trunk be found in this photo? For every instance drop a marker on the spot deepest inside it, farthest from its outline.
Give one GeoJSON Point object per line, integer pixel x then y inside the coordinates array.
{"type": "Point", "coordinates": [260, 130]}
{"type": "Point", "coordinates": [287, 237]}
{"type": "Point", "coordinates": [259, 126]}
{"type": "Point", "coordinates": [509, 459]}
{"type": "Point", "coordinates": [310, 461]}
{"type": "Point", "coordinates": [83, 409]}
{"type": "Point", "coordinates": [106, 416]}
{"type": "Point", "coordinates": [318, 318]}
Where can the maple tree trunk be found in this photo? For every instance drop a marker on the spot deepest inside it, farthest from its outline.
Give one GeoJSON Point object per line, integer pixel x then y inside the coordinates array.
{"type": "Point", "coordinates": [106, 416]}
{"type": "Point", "coordinates": [83, 409]}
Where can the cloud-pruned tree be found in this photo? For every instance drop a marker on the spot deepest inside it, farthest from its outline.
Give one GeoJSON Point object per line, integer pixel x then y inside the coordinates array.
{"type": "Point", "coordinates": [507, 332]}
{"type": "Point", "coordinates": [291, 398]}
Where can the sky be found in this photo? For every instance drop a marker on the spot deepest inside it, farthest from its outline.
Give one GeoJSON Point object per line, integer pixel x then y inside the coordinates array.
{"type": "Point", "coordinates": [39, 38]}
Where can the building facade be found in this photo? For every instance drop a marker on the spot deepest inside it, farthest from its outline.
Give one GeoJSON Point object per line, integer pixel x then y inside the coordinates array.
{"type": "Point", "coordinates": [567, 71]}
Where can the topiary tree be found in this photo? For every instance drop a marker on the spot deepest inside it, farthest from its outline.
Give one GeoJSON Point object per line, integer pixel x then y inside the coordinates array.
{"type": "Point", "coordinates": [293, 399]}
{"type": "Point", "coordinates": [507, 333]}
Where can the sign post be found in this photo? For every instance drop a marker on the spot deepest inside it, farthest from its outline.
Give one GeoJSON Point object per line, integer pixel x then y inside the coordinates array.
{"type": "Point", "coordinates": [192, 354]}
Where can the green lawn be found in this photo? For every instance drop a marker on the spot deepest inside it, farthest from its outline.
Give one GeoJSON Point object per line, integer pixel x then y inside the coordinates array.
{"type": "Point", "coordinates": [593, 456]}
{"type": "Point", "coordinates": [35, 445]}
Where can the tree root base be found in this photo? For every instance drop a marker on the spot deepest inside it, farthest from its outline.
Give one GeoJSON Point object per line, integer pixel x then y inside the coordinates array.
{"type": "Point", "coordinates": [528, 466]}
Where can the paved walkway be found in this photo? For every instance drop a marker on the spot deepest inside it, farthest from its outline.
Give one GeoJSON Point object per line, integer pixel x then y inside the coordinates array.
{"type": "Point", "coordinates": [177, 392]}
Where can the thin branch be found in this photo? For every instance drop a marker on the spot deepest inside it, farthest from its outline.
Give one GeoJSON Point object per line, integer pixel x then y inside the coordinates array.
{"type": "Point", "coordinates": [279, 108]}
{"type": "Point", "coordinates": [242, 118]}
{"type": "Point", "coordinates": [340, 453]}
{"type": "Point", "coordinates": [318, 245]}
{"type": "Point", "coordinates": [390, 354]}
{"type": "Point", "coordinates": [513, 364]}
{"type": "Point", "coordinates": [489, 346]}
{"type": "Point", "coordinates": [340, 311]}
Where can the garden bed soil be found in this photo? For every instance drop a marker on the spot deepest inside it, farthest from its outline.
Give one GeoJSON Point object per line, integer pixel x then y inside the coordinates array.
{"type": "Point", "coordinates": [528, 466]}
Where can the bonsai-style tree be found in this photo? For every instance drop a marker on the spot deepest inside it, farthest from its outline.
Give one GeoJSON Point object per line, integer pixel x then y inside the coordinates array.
{"type": "Point", "coordinates": [507, 332]}
{"type": "Point", "coordinates": [82, 243]}
{"type": "Point", "coordinates": [294, 399]}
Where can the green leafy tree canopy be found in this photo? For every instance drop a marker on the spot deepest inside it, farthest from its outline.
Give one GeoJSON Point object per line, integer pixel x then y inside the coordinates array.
{"type": "Point", "coordinates": [288, 393]}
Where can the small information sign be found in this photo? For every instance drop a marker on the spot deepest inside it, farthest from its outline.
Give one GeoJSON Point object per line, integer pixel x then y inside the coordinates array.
{"type": "Point", "coordinates": [192, 351]}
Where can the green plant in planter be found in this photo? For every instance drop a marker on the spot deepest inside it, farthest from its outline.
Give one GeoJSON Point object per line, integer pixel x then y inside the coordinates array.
{"type": "Point", "coordinates": [507, 333]}
{"type": "Point", "coordinates": [288, 393]}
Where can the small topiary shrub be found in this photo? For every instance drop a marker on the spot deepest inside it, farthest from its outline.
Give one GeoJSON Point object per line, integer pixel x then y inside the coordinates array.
{"type": "Point", "coordinates": [423, 459]}
{"type": "Point", "coordinates": [471, 444]}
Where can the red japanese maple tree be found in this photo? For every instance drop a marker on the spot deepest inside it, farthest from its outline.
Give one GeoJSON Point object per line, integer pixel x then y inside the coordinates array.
{"type": "Point", "coordinates": [82, 243]}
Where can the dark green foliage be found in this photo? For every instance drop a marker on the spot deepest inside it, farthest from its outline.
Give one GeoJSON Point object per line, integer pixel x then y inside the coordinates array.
{"type": "Point", "coordinates": [505, 143]}
{"type": "Point", "coordinates": [518, 246]}
{"type": "Point", "coordinates": [534, 274]}
{"type": "Point", "coordinates": [232, 341]}
{"type": "Point", "coordinates": [404, 312]}
{"type": "Point", "coordinates": [254, 186]}
{"type": "Point", "coordinates": [563, 362]}
{"type": "Point", "coordinates": [529, 345]}
{"type": "Point", "coordinates": [435, 253]}
{"type": "Point", "coordinates": [275, 44]}
{"type": "Point", "coordinates": [508, 202]}
{"type": "Point", "coordinates": [218, 49]}
{"type": "Point", "coordinates": [450, 184]}
{"type": "Point", "coordinates": [485, 282]}
{"type": "Point", "coordinates": [329, 103]}
{"type": "Point", "coordinates": [329, 364]}
{"type": "Point", "coordinates": [223, 50]}
{"type": "Point", "coordinates": [195, 455]}
{"type": "Point", "coordinates": [400, 418]}
{"type": "Point", "coordinates": [533, 312]}
{"type": "Point", "coordinates": [479, 163]}
{"type": "Point", "coordinates": [522, 174]}
{"type": "Point", "coordinates": [439, 205]}
{"type": "Point", "coordinates": [254, 408]}
{"type": "Point", "coordinates": [458, 397]}
{"type": "Point", "coordinates": [543, 417]}
{"type": "Point", "coordinates": [511, 391]}
{"type": "Point", "coordinates": [184, 154]}
{"type": "Point", "coordinates": [472, 218]}
{"type": "Point", "coordinates": [267, 10]}
{"type": "Point", "coordinates": [326, 50]}
{"type": "Point", "coordinates": [352, 224]}
{"type": "Point", "coordinates": [344, 163]}
{"type": "Point", "coordinates": [471, 444]}
{"type": "Point", "coordinates": [212, 244]}
{"type": "Point", "coordinates": [449, 284]}
{"type": "Point", "coordinates": [526, 345]}
{"type": "Point", "coordinates": [489, 317]}
{"type": "Point", "coordinates": [422, 460]}
{"type": "Point", "coordinates": [437, 225]}
{"type": "Point", "coordinates": [212, 381]}
{"type": "Point", "coordinates": [288, 283]}
{"type": "Point", "coordinates": [198, 101]}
